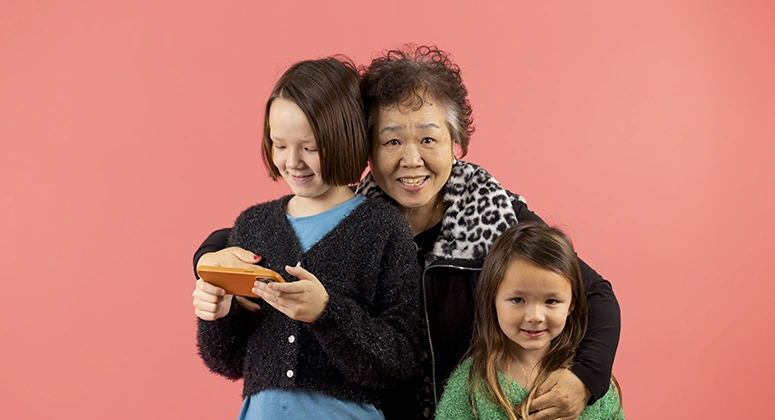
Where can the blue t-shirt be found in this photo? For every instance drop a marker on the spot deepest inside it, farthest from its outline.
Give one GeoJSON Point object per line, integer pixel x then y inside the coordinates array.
{"type": "Point", "coordinates": [301, 404]}
{"type": "Point", "coordinates": [311, 229]}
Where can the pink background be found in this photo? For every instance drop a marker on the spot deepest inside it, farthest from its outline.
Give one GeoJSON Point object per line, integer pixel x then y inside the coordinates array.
{"type": "Point", "coordinates": [130, 131]}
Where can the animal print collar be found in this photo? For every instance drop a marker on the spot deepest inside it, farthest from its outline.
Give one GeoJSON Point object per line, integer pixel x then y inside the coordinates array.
{"type": "Point", "coordinates": [477, 211]}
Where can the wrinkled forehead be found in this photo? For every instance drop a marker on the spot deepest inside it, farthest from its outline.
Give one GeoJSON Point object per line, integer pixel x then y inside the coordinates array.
{"type": "Point", "coordinates": [416, 110]}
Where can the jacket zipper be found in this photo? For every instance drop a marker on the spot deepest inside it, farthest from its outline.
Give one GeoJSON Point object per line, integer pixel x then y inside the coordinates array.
{"type": "Point", "coordinates": [428, 323]}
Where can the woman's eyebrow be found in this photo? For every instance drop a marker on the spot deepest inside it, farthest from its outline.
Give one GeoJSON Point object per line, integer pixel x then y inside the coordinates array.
{"type": "Point", "coordinates": [426, 126]}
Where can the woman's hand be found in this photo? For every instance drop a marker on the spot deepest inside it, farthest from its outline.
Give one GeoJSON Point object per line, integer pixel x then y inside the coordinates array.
{"type": "Point", "coordinates": [302, 300]}
{"type": "Point", "coordinates": [562, 396]}
{"type": "Point", "coordinates": [210, 302]}
{"type": "Point", "coordinates": [234, 257]}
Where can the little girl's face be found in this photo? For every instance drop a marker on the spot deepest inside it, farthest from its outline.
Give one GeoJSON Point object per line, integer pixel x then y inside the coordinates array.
{"type": "Point", "coordinates": [532, 305]}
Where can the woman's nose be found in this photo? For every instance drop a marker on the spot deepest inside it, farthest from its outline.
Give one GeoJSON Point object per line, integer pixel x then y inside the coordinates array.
{"type": "Point", "coordinates": [411, 157]}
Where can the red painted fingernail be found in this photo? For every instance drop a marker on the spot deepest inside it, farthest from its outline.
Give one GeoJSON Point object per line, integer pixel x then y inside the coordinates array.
{"type": "Point", "coordinates": [256, 257]}
{"type": "Point", "coordinates": [257, 309]}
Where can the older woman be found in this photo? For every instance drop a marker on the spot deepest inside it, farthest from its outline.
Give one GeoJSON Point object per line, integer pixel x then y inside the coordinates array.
{"type": "Point", "coordinates": [419, 118]}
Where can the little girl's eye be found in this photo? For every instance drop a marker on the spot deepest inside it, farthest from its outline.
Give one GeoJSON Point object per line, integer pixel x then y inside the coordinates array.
{"type": "Point", "coordinates": [311, 150]}
{"type": "Point", "coordinates": [517, 300]}
{"type": "Point", "coordinates": [552, 301]}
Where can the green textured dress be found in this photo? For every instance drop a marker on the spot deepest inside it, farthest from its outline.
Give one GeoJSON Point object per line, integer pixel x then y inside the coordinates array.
{"type": "Point", "coordinates": [454, 404]}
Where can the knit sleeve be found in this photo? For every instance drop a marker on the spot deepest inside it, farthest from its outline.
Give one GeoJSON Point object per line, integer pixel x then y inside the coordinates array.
{"type": "Point", "coordinates": [222, 343]}
{"type": "Point", "coordinates": [595, 356]}
{"type": "Point", "coordinates": [378, 349]}
{"type": "Point", "coordinates": [455, 403]}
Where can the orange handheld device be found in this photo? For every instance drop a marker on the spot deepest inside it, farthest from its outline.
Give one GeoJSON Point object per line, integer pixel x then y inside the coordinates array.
{"type": "Point", "coordinates": [237, 281]}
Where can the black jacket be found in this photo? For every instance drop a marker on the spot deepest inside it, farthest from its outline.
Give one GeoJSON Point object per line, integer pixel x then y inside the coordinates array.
{"type": "Point", "coordinates": [449, 286]}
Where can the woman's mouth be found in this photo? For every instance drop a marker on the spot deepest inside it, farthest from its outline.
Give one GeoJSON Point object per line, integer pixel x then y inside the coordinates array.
{"type": "Point", "coordinates": [413, 182]}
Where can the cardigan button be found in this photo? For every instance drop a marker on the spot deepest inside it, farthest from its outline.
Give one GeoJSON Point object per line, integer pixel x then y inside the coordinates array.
{"type": "Point", "coordinates": [289, 374]}
{"type": "Point", "coordinates": [291, 339]}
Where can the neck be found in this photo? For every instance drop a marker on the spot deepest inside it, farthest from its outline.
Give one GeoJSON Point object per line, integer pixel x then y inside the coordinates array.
{"type": "Point", "coordinates": [523, 365]}
{"type": "Point", "coordinates": [423, 218]}
{"type": "Point", "coordinates": [310, 206]}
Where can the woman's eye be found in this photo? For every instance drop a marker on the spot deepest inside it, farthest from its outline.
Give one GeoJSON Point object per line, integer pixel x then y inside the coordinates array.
{"type": "Point", "coordinates": [392, 142]}
{"type": "Point", "coordinates": [428, 140]}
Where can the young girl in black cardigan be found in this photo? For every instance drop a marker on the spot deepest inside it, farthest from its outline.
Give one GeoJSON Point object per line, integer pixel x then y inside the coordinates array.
{"type": "Point", "coordinates": [342, 332]}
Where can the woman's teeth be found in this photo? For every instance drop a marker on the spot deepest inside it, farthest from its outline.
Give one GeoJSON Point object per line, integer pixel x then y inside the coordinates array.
{"type": "Point", "coordinates": [412, 182]}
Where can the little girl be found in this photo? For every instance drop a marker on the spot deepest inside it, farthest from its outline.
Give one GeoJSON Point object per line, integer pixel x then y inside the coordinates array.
{"type": "Point", "coordinates": [530, 316]}
{"type": "Point", "coordinates": [330, 344]}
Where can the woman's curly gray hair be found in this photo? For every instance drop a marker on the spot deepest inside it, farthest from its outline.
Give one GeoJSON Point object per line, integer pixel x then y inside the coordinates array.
{"type": "Point", "coordinates": [411, 75]}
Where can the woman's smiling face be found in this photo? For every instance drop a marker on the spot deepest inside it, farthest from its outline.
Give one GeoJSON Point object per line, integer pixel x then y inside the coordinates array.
{"type": "Point", "coordinates": [412, 153]}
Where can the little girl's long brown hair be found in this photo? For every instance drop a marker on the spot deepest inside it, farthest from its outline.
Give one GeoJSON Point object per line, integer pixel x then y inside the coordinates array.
{"type": "Point", "coordinates": [548, 248]}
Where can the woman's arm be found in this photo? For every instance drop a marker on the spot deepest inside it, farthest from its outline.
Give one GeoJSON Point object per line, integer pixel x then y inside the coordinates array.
{"type": "Point", "coordinates": [217, 241]}
{"type": "Point", "coordinates": [595, 356]}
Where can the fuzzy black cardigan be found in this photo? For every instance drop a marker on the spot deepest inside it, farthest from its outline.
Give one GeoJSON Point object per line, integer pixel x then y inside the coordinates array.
{"type": "Point", "coordinates": [366, 341]}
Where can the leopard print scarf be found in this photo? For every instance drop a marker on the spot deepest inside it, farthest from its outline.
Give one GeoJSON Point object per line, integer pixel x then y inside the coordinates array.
{"type": "Point", "coordinates": [477, 211]}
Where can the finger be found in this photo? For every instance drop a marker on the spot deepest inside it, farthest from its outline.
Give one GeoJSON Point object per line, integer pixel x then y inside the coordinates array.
{"type": "Point", "coordinates": [206, 316]}
{"type": "Point", "coordinates": [270, 296]}
{"type": "Point", "coordinates": [205, 306]}
{"type": "Point", "coordinates": [274, 302]}
{"type": "Point", "coordinates": [547, 414]}
{"type": "Point", "coordinates": [209, 288]}
{"type": "Point", "coordinates": [549, 383]}
{"type": "Point", "coordinates": [301, 273]}
{"type": "Point", "coordinates": [278, 289]}
{"type": "Point", "coordinates": [206, 297]}
{"type": "Point", "coordinates": [244, 255]}
{"type": "Point", "coordinates": [247, 304]}
{"type": "Point", "coordinates": [542, 402]}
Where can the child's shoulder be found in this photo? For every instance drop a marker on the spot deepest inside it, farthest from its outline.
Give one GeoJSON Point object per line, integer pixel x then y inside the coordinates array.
{"type": "Point", "coordinates": [464, 367]}
{"type": "Point", "coordinates": [262, 213]}
{"type": "Point", "coordinates": [380, 206]}
{"type": "Point", "coordinates": [607, 407]}
{"type": "Point", "coordinates": [267, 206]}
{"type": "Point", "coordinates": [383, 216]}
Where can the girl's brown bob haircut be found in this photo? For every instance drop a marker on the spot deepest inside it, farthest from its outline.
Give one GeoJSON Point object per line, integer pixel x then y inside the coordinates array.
{"type": "Point", "coordinates": [328, 93]}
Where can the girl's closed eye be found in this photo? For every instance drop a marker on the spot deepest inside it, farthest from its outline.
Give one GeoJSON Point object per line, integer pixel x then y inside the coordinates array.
{"type": "Point", "coordinates": [311, 149]}
{"type": "Point", "coordinates": [279, 147]}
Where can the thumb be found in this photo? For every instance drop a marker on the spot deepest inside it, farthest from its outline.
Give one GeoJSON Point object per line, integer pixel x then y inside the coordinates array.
{"type": "Point", "coordinates": [244, 255]}
{"type": "Point", "coordinates": [547, 385]}
{"type": "Point", "coordinates": [301, 273]}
